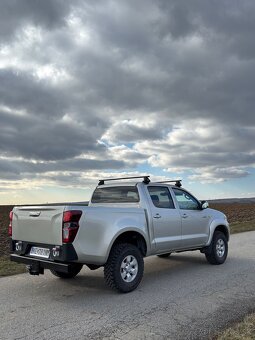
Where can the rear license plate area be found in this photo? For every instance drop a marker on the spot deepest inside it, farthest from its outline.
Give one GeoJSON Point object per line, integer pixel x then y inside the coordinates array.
{"type": "Point", "coordinates": [40, 252]}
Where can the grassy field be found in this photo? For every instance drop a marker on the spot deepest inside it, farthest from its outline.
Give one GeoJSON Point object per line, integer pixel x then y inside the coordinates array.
{"type": "Point", "coordinates": [6, 266]}
{"type": "Point", "coordinates": [240, 215]}
{"type": "Point", "coordinates": [10, 268]}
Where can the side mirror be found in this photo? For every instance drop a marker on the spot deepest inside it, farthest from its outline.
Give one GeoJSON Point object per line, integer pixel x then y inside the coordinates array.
{"type": "Point", "coordinates": [204, 204]}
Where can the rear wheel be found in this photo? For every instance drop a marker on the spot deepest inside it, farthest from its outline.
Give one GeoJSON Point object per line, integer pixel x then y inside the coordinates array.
{"type": "Point", "coordinates": [124, 268]}
{"type": "Point", "coordinates": [164, 255]}
{"type": "Point", "coordinates": [217, 252]}
{"type": "Point", "coordinates": [74, 270]}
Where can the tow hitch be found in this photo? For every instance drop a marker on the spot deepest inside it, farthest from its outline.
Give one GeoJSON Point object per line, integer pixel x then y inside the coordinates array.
{"type": "Point", "coordinates": [35, 269]}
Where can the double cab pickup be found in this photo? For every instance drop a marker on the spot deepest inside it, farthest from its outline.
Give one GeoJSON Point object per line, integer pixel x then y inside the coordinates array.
{"type": "Point", "coordinates": [123, 223]}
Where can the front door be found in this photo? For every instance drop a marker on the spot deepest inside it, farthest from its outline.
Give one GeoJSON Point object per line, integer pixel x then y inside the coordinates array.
{"type": "Point", "coordinates": [165, 218]}
{"type": "Point", "coordinates": [195, 221]}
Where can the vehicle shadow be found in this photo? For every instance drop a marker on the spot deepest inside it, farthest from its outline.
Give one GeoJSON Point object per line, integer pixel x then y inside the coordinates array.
{"type": "Point", "coordinates": [153, 265]}
{"type": "Point", "coordinates": [177, 267]}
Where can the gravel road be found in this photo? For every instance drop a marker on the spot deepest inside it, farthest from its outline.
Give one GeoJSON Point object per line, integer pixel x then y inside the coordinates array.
{"type": "Point", "coordinates": [181, 297]}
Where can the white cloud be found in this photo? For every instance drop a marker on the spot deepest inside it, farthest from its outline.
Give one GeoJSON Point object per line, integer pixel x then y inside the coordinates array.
{"type": "Point", "coordinates": [217, 175]}
{"type": "Point", "coordinates": [212, 151]}
{"type": "Point", "coordinates": [133, 130]}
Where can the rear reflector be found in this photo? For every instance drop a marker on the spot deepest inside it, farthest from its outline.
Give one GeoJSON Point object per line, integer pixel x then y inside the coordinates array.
{"type": "Point", "coordinates": [10, 224]}
{"type": "Point", "coordinates": [70, 225]}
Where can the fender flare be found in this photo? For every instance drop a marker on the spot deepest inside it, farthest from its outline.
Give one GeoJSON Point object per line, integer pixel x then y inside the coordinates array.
{"type": "Point", "coordinates": [221, 226]}
{"type": "Point", "coordinates": [123, 231]}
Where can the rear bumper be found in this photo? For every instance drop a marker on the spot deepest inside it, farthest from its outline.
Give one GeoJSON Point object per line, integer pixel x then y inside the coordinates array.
{"type": "Point", "coordinates": [41, 264]}
{"type": "Point", "coordinates": [66, 251]}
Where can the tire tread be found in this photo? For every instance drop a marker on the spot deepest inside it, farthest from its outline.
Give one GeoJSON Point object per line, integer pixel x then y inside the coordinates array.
{"type": "Point", "coordinates": [114, 281]}
{"type": "Point", "coordinates": [210, 252]}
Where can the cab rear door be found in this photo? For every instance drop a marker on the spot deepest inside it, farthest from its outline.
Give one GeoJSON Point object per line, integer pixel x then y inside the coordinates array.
{"type": "Point", "coordinates": [165, 218]}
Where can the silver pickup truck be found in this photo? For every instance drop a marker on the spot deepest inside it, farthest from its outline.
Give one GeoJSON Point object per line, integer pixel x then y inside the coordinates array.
{"type": "Point", "coordinates": [121, 224]}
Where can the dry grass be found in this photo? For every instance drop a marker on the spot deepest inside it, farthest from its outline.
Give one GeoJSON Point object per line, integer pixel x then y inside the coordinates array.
{"type": "Point", "coordinates": [6, 266]}
{"type": "Point", "coordinates": [4, 222]}
{"type": "Point", "coordinates": [242, 218]}
{"type": "Point", "coordinates": [239, 227]}
{"type": "Point", "coordinates": [244, 330]}
{"type": "Point", "coordinates": [10, 268]}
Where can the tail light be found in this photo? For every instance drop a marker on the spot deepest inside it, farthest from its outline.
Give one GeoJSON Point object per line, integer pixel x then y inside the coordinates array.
{"type": "Point", "coordinates": [70, 225]}
{"type": "Point", "coordinates": [10, 224]}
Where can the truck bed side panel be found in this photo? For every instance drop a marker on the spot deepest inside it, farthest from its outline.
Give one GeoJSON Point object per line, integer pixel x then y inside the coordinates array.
{"type": "Point", "coordinates": [99, 227]}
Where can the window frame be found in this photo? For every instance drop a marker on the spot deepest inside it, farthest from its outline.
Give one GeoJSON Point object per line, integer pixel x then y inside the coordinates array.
{"type": "Point", "coordinates": [189, 194]}
{"type": "Point", "coordinates": [170, 195]}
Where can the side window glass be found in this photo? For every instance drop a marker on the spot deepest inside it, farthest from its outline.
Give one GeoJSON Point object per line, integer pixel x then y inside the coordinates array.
{"type": "Point", "coordinates": [161, 197]}
{"type": "Point", "coordinates": [118, 194]}
{"type": "Point", "coordinates": [185, 200]}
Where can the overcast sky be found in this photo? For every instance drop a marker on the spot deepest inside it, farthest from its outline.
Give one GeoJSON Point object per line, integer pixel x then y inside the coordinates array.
{"type": "Point", "coordinates": [92, 89]}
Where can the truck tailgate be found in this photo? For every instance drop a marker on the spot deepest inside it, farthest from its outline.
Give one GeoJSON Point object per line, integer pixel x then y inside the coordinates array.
{"type": "Point", "coordinates": [39, 224]}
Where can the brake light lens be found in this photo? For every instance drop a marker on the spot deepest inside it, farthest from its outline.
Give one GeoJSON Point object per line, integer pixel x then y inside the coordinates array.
{"type": "Point", "coordinates": [70, 225]}
{"type": "Point", "coordinates": [10, 224]}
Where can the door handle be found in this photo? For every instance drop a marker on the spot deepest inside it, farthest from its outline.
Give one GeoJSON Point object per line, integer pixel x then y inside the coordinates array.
{"type": "Point", "coordinates": [184, 215]}
{"type": "Point", "coordinates": [34, 213]}
{"type": "Point", "coordinates": [157, 216]}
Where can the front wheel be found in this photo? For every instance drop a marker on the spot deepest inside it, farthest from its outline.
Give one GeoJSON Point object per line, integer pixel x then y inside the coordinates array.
{"type": "Point", "coordinates": [217, 252]}
{"type": "Point", "coordinates": [124, 268]}
{"type": "Point", "coordinates": [74, 270]}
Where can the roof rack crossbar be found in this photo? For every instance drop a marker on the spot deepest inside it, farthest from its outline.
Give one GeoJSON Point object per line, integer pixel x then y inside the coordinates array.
{"type": "Point", "coordinates": [146, 179]}
{"type": "Point", "coordinates": [176, 181]}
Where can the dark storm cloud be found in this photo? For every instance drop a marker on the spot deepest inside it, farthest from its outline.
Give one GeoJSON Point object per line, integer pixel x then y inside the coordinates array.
{"type": "Point", "coordinates": [217, 79]}
{"type": "Point", "coordinates": [199, 77]}
{"type": "Point", "coordinates": [228, 19]}
{"type": "Point", "coordinates": [127, 131]}
{"type": "Point", "coordinates": [35, 138]}
{"type": "Point", "coordinates": [19, 167]}
{"type": "Point", "coordinates": [21, 91]}
{"type": "Point", "coordinates": [14, 14]}
{"type": "Point", "coordinates": [92, 70]}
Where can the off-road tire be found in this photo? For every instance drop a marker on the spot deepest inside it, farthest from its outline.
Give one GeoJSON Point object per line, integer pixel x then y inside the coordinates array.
{"type": "Point", "coordinates": [164, 255]}
{"type": "Point", "coordinates": [114, 268]}
{"type": "Point", "coordinates": [74, 270]}
{"type": "Point", "coordinates": [217, 252]}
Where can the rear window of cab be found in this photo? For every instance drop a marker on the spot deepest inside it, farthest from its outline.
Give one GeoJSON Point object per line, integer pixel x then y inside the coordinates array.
{"type": "Point", "coordinates": [118, 194]}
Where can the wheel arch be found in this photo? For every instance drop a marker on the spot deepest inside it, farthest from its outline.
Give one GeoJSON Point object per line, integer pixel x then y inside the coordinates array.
{"type": "Point", "coordinates": [132, 237]}
{"type": "Point", "coordinates": [223, 229]}
{"type": "Point", "coordinates": [218, 227]}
